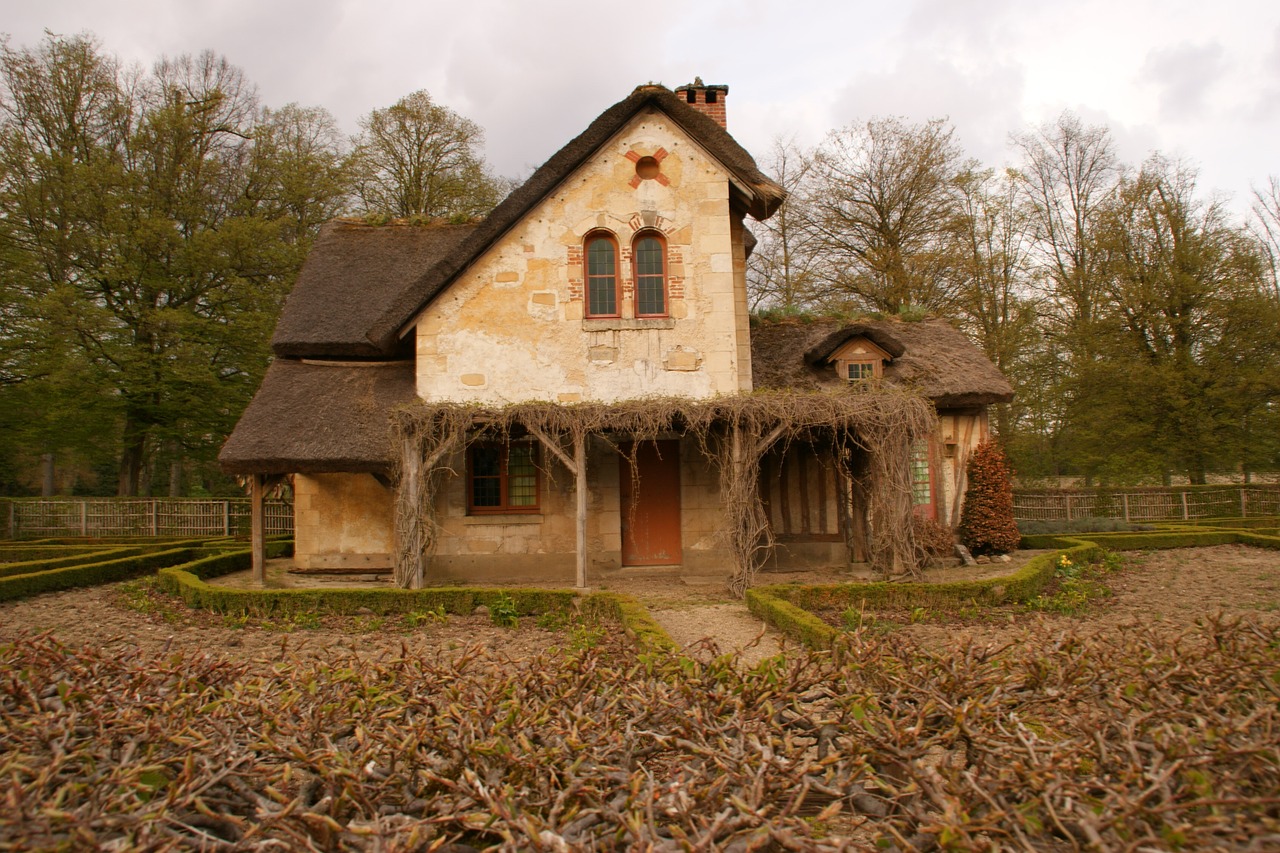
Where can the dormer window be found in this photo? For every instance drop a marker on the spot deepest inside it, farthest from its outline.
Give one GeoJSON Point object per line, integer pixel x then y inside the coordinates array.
{"type": "Point", "coordinates": [859, 371]}
{"type": "Point", "coordinates": [859, 360]}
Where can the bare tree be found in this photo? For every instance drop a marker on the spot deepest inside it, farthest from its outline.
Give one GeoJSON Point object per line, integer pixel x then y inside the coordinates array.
{"type": "Point", "coordinates": [881, 204]}
{"type": "Point", "coordinates": [994, 268]}
{"type": "Point", "coordinates": [1069, 172]}
{"type": "Point", "coordinates": [418, 158]}
{"type": "Point", "coordinates": [1266, 226]}
{"type": "Point", "coordinates": [781, 271]}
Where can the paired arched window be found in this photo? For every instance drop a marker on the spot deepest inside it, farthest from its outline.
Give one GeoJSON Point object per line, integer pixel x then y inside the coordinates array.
{"type": "Point", "coordinates": [649, 255]}
{"type": "Point", "coordinates": [649, 263]}
{"type": "Point", "coordinates": [604, 297]}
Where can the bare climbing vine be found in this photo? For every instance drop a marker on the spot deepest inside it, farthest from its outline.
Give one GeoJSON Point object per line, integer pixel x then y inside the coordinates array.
{"type": "Point", "coordinates": [871, 431]}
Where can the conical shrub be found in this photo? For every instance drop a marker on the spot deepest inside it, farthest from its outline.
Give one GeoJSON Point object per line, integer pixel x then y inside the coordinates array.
{"type": "Point", "coordinates": [986, 522]}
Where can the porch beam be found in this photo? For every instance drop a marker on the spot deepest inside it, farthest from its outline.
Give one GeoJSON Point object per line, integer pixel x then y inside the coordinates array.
{"type": "Point", "coordinates": [762, 445]}
{"type": "Point", "coordinates": [554, 446]}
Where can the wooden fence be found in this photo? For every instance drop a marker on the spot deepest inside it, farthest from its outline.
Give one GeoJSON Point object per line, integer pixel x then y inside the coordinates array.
{"type": "Point", "coordinates": [1148, 504]}
{"type": "Point", "coordinates": [109, 517]}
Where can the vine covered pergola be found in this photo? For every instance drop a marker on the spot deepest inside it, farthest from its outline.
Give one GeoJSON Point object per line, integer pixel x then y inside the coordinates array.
{"type": "Point", "coordinates": [871, 429]}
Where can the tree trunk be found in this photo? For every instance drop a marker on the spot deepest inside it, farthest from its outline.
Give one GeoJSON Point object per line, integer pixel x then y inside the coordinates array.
{"type": "Point", "coordinates": [132, 457]}
{"type": "Point", "coordinates": [175, 478]}
{"type": "Point", "coordinates": [48, 481]}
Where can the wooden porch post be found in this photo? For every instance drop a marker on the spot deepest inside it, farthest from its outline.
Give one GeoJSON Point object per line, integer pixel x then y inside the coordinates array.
{"type": "Point", "coordinates": [257, 529]}
{"type": "Point", "coordinates": [578, 465]}
{"type": "Point", "coordinates": [580, 489]}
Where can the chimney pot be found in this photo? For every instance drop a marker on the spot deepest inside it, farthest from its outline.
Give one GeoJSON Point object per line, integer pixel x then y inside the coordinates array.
{"type": "Point", "coordinates": [708, 100]}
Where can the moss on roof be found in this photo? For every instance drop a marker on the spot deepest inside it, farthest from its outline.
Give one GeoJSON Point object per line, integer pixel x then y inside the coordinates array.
{"type": "Point", "coordinates": [930, 356]}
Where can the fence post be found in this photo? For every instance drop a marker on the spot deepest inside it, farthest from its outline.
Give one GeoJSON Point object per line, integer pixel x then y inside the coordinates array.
{"type": "Point", "coordinates": [1068, 507]}
{"type": "Point", "coordinates": [1124, 498]}
{"type": "Point", "coordinates": [226, 517]}
{"type": "Point", "coordinates": [1186, 513]}
{"type": "Point", "coordinates": [155, 518]}
{"type": "Point", "coordinates": [13, 519]}
{"type": "Point", "coordinates": [84, 518]}
{"type": "Point", "coordinates": [1244, 503]}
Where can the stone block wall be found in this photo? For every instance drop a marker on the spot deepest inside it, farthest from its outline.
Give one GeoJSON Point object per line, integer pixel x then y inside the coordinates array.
{"type": "Point", "coordinates": [342, 521]}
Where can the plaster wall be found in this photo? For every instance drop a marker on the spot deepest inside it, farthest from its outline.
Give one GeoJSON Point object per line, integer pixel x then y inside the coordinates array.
{"type": "Point", "coordinates": [342, 521]}
{"type": "Point", "coordinates": [541, 546]}
{"type": "Point", "coordinates": [512, 326]}
{"type": "Point", "coordinates": [959, 432]}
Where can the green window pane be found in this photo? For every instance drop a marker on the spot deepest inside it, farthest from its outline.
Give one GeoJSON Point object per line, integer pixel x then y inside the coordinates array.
{"type": "Point", "coordinates": [649, 257]}
{"type": "Point", "coordinates": [860, 370]}
{"type": "Point", "coordinates": [600, 258]}
{"type": "Point", "coordinates": [486, 480]}
{"type": "Point", "coordinates": [651, 297]}
{"type": "Point", "coordinates": [602, 280]}
{"type": "Point", "coordinates": [921, 488]}
{"type": "Point", "coordinates": [522, 476]}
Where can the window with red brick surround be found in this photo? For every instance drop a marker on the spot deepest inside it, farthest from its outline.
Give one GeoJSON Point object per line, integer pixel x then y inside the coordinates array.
{"type": "Point", "coordinates": [649, 260]}
{"type": "Point", "coordinates": [601, 279]}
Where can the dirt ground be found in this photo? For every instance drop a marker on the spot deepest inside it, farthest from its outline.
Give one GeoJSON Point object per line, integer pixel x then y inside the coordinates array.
{"type": "Point", "coordinates": [1174, 587]}
{"type": "Point", "coordinates": [124, 617]}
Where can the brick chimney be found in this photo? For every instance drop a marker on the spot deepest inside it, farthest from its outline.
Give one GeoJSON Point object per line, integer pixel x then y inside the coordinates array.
{"type": "Point", "coordinates": [705, 99]}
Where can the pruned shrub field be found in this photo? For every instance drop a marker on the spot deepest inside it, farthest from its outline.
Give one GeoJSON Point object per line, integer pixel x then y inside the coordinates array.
{"type": "Point", "coordinates": [1051, 742]}
{"type": "Point", "coordinates": [1144, 720]}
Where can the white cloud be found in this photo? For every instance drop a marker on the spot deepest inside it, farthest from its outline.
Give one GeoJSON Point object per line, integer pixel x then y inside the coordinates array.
{"type": "Point", "coordinates": [1187, 77]}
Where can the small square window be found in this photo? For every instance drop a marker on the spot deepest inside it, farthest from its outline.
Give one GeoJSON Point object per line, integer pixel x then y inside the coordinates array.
{"type": "Point", "coordinates": [859, 371]}
{"type": "Point", "coordinates": [503, 478]}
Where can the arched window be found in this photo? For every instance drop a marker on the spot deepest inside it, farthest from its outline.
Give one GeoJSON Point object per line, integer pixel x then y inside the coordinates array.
{"type": "Point", "coordinates": [602, 276]}
{"type": "Point", "coordinates": [650, 258]}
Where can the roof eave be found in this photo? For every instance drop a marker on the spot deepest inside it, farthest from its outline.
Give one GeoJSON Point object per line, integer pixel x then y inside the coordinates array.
{"type": "Point", "coordinates": [762, 195]}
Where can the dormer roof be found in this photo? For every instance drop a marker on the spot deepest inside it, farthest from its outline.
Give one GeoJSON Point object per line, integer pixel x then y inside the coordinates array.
{"type": "Point", "coordinates": [931, 357]}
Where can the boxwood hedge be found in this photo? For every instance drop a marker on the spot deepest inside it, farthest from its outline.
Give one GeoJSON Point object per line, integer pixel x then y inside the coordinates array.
{"type": "Point", "coordinates": [787, 607]}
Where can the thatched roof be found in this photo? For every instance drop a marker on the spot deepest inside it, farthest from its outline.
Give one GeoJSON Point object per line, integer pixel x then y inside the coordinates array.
{"type": "Point", "coordinates": [930, 356]}
{"type": "Point", "coordinates": [314, 418]}
{"type": "Point", "coordinates": [759, 193]}
{"type": "Point", "coordinates": [353, 271]}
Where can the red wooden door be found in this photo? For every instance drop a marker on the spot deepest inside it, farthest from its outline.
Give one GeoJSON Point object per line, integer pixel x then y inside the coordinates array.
{"type": "Point", "coordinates": [651, 504]}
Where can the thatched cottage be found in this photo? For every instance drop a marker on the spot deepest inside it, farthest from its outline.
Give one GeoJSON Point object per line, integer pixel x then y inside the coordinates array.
{"type": "Point", "coordinates": [572, 387]}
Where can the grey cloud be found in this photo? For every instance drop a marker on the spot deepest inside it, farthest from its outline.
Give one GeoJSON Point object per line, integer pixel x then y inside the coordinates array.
{"type": "Point", "coordinates": [1184, 76]}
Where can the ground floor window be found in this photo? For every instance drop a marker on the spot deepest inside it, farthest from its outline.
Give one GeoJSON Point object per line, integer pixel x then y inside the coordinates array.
{"type": "Point", "coordinates": [502, 478]}
{"type": "Point", "coordinates": [921, 479]}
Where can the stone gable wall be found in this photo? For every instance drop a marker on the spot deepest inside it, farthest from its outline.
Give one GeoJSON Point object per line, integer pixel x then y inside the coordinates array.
{"type": "Point", "coordinates": [512, 326]}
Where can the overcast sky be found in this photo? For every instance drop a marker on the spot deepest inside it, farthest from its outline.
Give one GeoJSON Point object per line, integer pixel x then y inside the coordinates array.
{"type": "Point", "coordinates": [1192, 79]}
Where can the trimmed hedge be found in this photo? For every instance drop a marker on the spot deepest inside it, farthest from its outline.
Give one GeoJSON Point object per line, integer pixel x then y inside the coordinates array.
{"type": "Point", "coordinates": [793, 621]}
{"type": "Point", "coordinates": [787, 606]}
{"type": "Point", "coordinates": [90, 574]}
{"type": "Point", "coordinates": [26, 553]}
{"type": "Point", "coordinates": [635, 619]}
{"type": "Point", "coordinates": [188, 582]}
{"type": "Point", "coordinates": [1261, 540]}
{"type": "Point", "coordinates": [1236, 523]}
{"type": "Point", "coordinates": [96, 555]}
{"type": "Point", "coordinates": [1167, 537]}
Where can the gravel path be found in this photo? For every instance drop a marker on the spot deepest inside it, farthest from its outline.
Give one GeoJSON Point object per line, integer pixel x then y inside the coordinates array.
{"type": "Point", "coordinates": [731, 627]}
